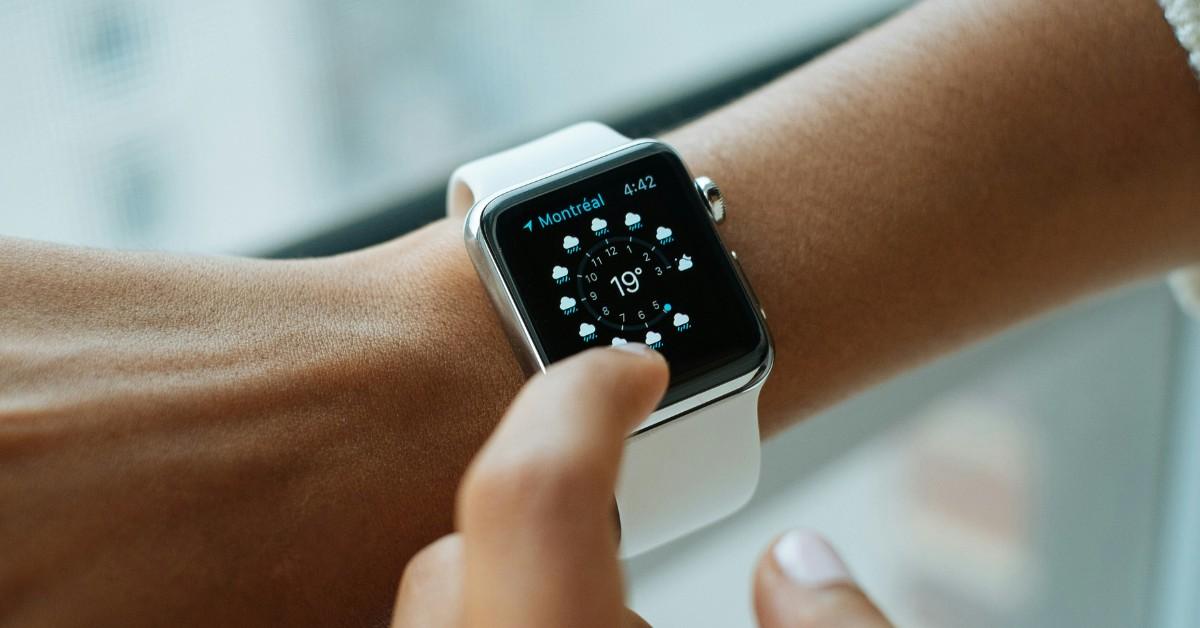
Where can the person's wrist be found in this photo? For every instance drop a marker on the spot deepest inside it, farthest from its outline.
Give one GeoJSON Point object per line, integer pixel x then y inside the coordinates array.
{"type": "Point", "coordinates": [444, 330]}
{"type": "Point", "coordinates": [400, 374]}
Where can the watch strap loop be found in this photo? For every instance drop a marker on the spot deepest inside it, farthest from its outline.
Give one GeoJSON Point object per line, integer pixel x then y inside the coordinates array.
{"type": "Point", "coordinates": [483, 177]}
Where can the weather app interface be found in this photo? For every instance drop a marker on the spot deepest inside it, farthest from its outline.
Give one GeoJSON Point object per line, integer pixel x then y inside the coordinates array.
{"type": "Point", "coordinates": [630, 255]}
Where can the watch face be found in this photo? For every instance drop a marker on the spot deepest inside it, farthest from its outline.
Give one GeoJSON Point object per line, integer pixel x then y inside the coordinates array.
{"type": "Point", "coordinates": [623, 250]}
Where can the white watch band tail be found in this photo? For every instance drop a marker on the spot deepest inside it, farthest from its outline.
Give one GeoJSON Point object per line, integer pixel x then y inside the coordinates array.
{"type": "Point", "coordinates": [681, 476]}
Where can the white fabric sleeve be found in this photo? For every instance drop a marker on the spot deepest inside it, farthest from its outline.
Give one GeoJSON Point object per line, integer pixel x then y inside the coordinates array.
{"type": "Point", "coordinates": [1184, 17]}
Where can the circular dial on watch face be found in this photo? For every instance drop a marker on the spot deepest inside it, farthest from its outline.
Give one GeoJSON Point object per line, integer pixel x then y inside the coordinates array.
{"type": "Point", "coordinates": [620, 282]}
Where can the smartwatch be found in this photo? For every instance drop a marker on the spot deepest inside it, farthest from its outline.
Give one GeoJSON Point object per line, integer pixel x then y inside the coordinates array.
{"type": "Point", "coordinates": [586, 238]}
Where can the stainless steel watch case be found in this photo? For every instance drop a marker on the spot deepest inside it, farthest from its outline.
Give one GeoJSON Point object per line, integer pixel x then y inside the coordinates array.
{"type": "Point", "coordinates": [479, 250]}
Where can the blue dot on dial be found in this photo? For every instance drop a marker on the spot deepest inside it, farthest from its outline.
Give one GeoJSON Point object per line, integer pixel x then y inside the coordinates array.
{"type": "Point", "coordinates": [667, 307]}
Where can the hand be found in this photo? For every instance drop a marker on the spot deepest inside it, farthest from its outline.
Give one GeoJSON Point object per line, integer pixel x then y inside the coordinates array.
{"type": "Point", "coordinates": [537, 543]}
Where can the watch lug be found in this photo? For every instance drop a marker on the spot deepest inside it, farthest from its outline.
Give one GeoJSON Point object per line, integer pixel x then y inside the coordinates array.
{"type": "Point", "coordinates": [712, 198]}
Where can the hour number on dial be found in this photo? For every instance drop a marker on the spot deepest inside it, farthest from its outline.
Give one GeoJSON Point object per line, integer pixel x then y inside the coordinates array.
{"type": "Point", "coordinates": [621, 281]}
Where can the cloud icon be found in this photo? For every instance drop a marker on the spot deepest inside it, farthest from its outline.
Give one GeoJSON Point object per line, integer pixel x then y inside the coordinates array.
{"type": "Point", "coordinates": [599, 224]}
{"type": "Point", "coordinates": [617, 340]}
{"type": "Point", "coordinates": [570, 242]}
{"type": "Point", "coordinates": [586, 329]}
{"type": "Point", "coordinates": [632, 219]}
{"type": "Point", "coordinates": [567, 303]}
{"type": "Point", "coordinates": [685, 262]}
{"type": "Point", "coordinates": [681, 319]}
{"type": "Point", "coordinates": [662, 233]}
{"type": "Point", "coordinates": [652, 337]}
{"type": "Point", "coordinates": [558, 273]}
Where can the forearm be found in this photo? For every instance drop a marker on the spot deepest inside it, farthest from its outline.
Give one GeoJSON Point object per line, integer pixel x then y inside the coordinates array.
{"type": "Point", "coordinates": [963, 167]}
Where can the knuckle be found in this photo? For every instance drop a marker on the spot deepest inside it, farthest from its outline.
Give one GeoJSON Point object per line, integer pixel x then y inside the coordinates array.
{"type": "Point", "coordinates": [534, 486]}
{"type": "Point", "coordinates": [433, 561]}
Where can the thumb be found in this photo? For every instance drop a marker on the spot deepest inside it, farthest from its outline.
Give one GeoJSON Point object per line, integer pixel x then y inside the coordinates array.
{"type": "Point", "coordinates": [801, 582]}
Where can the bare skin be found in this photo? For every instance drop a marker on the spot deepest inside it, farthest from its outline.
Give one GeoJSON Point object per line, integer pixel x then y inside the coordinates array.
{"type": "Point", "coordinates": [179, 434]}
{"type": "Point", "coordinates": [192, 441]}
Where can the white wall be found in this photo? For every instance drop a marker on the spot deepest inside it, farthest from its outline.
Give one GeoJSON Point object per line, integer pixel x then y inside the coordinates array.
{"type": "Point", "coordinates": [239, 125]}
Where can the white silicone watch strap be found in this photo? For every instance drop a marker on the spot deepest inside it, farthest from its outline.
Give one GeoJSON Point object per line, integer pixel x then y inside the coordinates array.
{"type": "Point", "coordinates": [694, 470]}
{"type": "Point", "coordinates": [679, 476]}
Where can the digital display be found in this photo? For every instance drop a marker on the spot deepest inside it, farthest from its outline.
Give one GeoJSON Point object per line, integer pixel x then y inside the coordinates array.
{"type": "Point", "coordinates": [625, 251]}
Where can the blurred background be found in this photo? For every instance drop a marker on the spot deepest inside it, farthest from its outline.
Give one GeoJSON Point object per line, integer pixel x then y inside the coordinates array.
{"type": "Point", "coordinates": [1050, 477]}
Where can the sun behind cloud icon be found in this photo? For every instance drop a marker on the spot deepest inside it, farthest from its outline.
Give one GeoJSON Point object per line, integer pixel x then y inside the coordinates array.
{"type": "Point", "coordinates": [599, 224]}
{"type": "Point", "coordinates": [567, 303]}
{"type": "Point", "coordinates": [681, 319]}
{"type": "Point", "coordinates": [663, 233]}
{"type": "Point", "coordinates": [570, 242]}
{"type": "Point", "coordinates": [586, 329]}
{"type": "Point", "coordinates": [685, 262]}
{"type": "Point", "coordinates": [632, 219]}
{"type": "Point", "coordinates": [653, 337]}
{"type": "Point", "coordinates": [558, 273]}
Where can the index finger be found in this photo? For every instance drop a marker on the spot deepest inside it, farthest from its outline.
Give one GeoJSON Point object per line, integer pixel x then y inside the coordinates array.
{"type": "Point", "coordinates": [535, 508]}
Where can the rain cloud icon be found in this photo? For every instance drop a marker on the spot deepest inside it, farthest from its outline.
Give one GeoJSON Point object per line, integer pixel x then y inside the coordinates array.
{"type": "Point", "coordinates": [586, 329]}
{"type": "Point", "coordinates": [599, 224]}
{"type": "Point", "coordinates": [567, 304]}
{"type": "Point", "coordinates": [570, 242]}
{"type": "Point", "coordinates": [653, 338]}
{"type": "Point", "coordinates": [559, 272]}
{"type": "Point", "coordinates": [681, 319]}
{"type": "Point", "coordinates": [685, 262]}
{"type": "Point", "coordinates": [617, 340]}
{"type": "Point", "coordinates": [632, 219]}
{"type": "Point", "coordinates": [663, 233]}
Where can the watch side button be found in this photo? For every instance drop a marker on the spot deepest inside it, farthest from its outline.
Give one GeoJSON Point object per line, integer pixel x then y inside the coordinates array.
{"type": "Point", "coordinates": [713, 198]}
{"type": "Point", "coordinates": [762, 313]}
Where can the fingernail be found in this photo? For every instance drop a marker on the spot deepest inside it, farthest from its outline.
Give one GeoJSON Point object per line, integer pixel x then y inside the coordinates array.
{"type": "Point", "coordinates": [635, 348]}
{"type": "Point", "coordinates": [808, 560]}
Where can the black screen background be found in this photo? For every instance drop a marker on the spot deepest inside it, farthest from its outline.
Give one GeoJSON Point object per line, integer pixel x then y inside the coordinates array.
{"type": "Point", "coordinates": [725, 339]}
